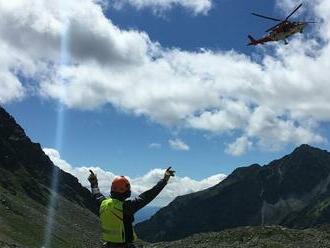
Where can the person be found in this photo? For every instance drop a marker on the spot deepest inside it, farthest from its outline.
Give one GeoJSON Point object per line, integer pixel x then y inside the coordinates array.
{"type": "Point", "coordinates": [117, 211]}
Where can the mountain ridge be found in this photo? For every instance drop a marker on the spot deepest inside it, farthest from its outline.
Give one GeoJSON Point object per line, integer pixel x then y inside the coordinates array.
{"type": "Point", "coordinates": [25, 192]}
{"type": "Point", "coordinates": [255, 195]}
{"type": "Point", "coordinates": [292, 191]}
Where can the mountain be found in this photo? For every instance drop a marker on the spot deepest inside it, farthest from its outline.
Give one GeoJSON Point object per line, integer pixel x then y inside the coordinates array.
{"type": "Point", "coordinates": [292, 191]}
{"type": "Point", "coordinates": [25, 191]}
{"type": "Point", "coordinates": [145, 213]}
{"type": "Point", "coordinates": [247, 237]}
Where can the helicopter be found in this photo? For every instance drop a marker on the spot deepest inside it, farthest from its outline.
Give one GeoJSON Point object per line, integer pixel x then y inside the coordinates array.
{"type": "Point", "coordinates": [280, 31]}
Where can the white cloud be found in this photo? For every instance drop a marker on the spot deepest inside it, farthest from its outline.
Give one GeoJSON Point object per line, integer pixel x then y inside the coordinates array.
{"type": "Point", "coordinates": [196, 6]}
{"type": "Point", "coordinates": [239, 147]}
{"type": "Point", "coordinates": [275, 131]}
{"type": "Point", "coordinates": [281, 99]}
{"type": "Point", "coordinates": [176, 186]}
{"type": "Point", "coordinates": [231, 116]}
{"type": "Point", "coordinates": [104, 177]}
{"type": "Point", "coordinates": [177, 144]}
{"type": "Point", "coordinates": [155, 146]}
{"type": "Point", "coordinates": [10, 87]}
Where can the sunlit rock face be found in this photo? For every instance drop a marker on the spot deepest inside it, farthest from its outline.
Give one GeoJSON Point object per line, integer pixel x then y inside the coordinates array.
{"type": "Point", "coordinates": [292, 191]}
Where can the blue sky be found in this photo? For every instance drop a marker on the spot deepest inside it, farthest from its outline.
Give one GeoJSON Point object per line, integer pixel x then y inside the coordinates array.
{"type": "Point", "coordinates": [224, 27]}
{"type": "Point", "coordinates": [117, 138]}
{"type": "Point", "coordinates": [120, 143]}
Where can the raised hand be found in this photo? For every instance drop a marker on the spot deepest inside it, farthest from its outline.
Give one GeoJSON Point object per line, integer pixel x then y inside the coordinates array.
{"type": "Point", "coordinates": [93, 179]}
{"type": "Point", "coordinates": [169, 173]}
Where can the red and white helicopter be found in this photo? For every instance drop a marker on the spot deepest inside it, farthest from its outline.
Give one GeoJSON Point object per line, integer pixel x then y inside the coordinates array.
{"type": "Point", "coordinates": [280, 31]}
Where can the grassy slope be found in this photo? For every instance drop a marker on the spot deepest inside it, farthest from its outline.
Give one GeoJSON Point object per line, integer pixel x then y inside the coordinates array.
{"type": "Point", "coordinates": [22, 222]}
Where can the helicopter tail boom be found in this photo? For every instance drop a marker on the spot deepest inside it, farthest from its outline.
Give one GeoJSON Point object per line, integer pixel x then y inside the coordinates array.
{"type": "Point", "coordinates": [254, 42]}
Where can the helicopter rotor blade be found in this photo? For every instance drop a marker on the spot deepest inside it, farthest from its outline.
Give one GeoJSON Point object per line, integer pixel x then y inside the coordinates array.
{"type": "Point", "coordinates": [270, 29]}
{"type": "Point", "coordinates": [266, 17]}
{"type": "Point", "coordinates": [294, 11]}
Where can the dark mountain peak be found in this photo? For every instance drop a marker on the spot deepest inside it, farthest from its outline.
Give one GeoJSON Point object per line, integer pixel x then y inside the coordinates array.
{"type": "Point", "coordinates": [247, 171]}
{"type": "Point", "coordinates": [305, 148]}
{"type": "Point", "coordinates": [307, 152]}
{"type": "Point", "coordinates": [27, 168]}
{"type": "Point", "coordinates": [297, 174]}
{"type": "Point", "coordinates": [302, 156]}
{"type": "Point", "coordinates": [252, 195]}
{"type": "Point", "coordinates": [9, 129]}
{"type": "Point", "coordinates": [26, 192]}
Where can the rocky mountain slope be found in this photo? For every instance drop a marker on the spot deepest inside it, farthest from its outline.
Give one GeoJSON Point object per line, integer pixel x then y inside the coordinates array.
{"type": "Point", "coordinates": [25, 190]}
{"type": "Point", "coordinates": [292, 191]}
{"type": "Point", "coordinates": [247, 237]}
{"type": "Point", "coordinates": [145, 213]}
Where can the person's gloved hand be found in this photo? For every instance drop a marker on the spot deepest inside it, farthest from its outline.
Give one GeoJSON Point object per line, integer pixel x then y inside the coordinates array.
{"type": "Point", "coordinates": [169, 173]}
{"type": "Point", "coordinates": [93, 179]}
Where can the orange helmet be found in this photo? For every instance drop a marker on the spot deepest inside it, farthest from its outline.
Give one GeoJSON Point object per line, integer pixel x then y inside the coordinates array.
{"type": "Point", "coordinates": [120, 185]}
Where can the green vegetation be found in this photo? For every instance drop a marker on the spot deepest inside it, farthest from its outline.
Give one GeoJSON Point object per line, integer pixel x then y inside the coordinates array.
{"type": "Point", "coordinates": [23, 220]}
{"type": "Point", "coordinates": [25, 182]}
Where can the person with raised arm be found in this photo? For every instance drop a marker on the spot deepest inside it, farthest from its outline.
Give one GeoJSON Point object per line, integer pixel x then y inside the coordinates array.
{"type": "Point", "coordinates": [117, 211]}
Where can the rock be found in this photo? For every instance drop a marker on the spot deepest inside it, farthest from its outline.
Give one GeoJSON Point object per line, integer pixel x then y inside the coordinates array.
{"type": "Point", "coordinates": [272, 236]}
{"type": "Point", "coordinates": [26, 178]}
{"type": "Point", "coordinates": [291, 191]}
